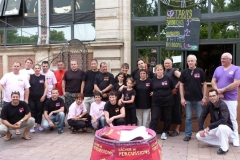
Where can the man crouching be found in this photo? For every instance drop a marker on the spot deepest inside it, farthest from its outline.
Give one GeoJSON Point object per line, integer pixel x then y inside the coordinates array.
{"type": "Point", "coordinates": [220, 128]}
{"type": "Point", "coordinates": [16, 114]}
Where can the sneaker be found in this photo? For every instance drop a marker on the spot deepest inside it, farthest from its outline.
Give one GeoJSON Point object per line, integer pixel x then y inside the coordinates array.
{"type": "Point", "coordinates": [60, 131]}
{"type": "Point", "coordinates": [173, 133]}
{"type": "Point", "coordinates": [164, 136]}
{"type": "Point", "coordinates": [40, 128]}
{"type": "Point", "coordinates": [186, 139]}
{"type": "Point", "coordinates": [221, 152]}
{"type": "Point", "coordinates": [32, 130]}
{"type": "Point", "coordinates": [51, 128]}
{"type": "Point", "coordinates": [235, 143]}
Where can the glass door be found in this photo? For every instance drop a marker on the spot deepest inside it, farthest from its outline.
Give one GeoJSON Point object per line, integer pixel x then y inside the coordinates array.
{"type": "Point", "coordinates": [150, 55]}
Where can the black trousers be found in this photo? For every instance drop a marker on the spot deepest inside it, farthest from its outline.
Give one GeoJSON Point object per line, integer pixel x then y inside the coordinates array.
{"type": "Point", "coordinates": [80, 124]}
{"type": "Point", "coordinates": [177, 110]}
{"type": "Point", "coordinates": [156, 113]}
{"type": "Point", "coordinates": [36, 108]}
{"type": "Point", "coordinates": [116, 122]}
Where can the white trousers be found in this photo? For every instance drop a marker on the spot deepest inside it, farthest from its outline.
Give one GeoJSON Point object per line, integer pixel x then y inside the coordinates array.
{"type": "Point", "coordinates": [143, 117]}
{"type": "Point", "coordinates": [218, 137]}
{"type": "Point", "coordinates": [232, 107]}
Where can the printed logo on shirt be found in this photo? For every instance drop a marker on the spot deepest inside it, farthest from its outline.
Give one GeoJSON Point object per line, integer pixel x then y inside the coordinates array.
{"type": "Point", "coordinates": [197, 75]}
{"type": "Point", "coordinates": [126, 97]}
{"type": "Point", "coordinates": [41, 81]}
{"type": "Point", "coordinates": [147, 84]}
{"type": "Point", "coordinates": [116, 110]}
{"type": "Point", "coordinates": [21, 110]}
{"type": "Point", "coordinates": [106, 78]}
{"type": "Point", "coordinates": [100, 109]}
{"type": "Point", "coordinates": [231, 72]}
{"type": "Point", "coordinates": [164, 83]}
{"type": "Point", "coordinates": [20, 79]}
{"type": "Point", "coordinates": [57, 104]}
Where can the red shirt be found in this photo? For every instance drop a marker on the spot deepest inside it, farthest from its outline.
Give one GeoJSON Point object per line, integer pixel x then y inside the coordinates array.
{"type": "Point", "coordinates": [59, 76]}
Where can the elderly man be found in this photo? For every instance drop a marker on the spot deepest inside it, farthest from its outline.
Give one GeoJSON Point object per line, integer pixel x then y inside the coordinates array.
{"type": "Point", "coordinates": [16, 115]}
{"type": "Point", "coordinates": [103, 81]}
{"type": "Point", "coordinates": [193, 89]}
{"type": "Point", "coordinates": [219, 130]}
{"type": "Point", "coordinates": [226, 81]}
{"type": "Point", "coordinates": [50, 77]}
{"type": "Point", "coordinates": [54, 112]}
{"type": "Point", "coordinates": [71, 83]}
{"type": "Point", "coordinates": [177, 110]}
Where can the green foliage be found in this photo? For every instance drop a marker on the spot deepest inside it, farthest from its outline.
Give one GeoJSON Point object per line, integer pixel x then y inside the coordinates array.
{"type": "Point", "coordinates": [144, 8]}
{"type": "Point", "coordinates": [57, 36]}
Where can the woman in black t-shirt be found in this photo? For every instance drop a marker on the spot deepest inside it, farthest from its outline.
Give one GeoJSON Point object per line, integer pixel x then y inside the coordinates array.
{"type": "Point", "coordinates": [162, 86]}
{"type": "Point", "coordinates": [114, 113]}
{"type": "Point", "coordinates": [37, 95]}
{"type": "Point", "coordinates": [118, 87]}
{"type": "Point", "coordinates": [143, 98]}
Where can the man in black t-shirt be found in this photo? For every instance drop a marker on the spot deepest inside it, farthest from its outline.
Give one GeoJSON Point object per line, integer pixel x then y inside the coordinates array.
{"type": "Point", "coordinates": [193, 88]}
{"type": "Point", "coordinates": [114, 114]}
{"type": "Point", "coordinates": [103, 81]}
{"type": "Point", "coordinates": [54, 112]}
{"type": "Point", "coordinates": [87, 86]}
{"type": "Point", "coordinates": [71, 83]}
{"type": "Point", "coordinates": [15, 115]}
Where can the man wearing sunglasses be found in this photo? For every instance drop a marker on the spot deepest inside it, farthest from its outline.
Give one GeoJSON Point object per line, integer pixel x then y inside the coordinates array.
{"type": "Point", "coordinates": [16, 115]}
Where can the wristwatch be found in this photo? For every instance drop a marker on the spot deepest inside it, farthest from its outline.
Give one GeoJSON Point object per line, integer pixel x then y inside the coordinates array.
{"type": "Point", "coordinates": [21, 120]}
{"type": "Point", "coordinates": [205, 97]}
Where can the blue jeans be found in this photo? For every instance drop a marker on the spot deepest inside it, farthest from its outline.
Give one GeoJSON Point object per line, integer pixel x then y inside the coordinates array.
{"type": "Point", "coordinates": [190, 105]}
{"type": "Point", "coordinates": [100, 123]}
{"type": "Point", "coordinates": [55, 118]}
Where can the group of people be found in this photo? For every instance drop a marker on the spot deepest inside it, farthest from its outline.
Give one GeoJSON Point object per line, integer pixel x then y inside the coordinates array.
{"type": "Point", "coordinates": [96, 98]}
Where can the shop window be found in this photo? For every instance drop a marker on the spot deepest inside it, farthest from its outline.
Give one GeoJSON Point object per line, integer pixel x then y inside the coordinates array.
{"type": "Point", "coordinates": [13, 36]}
{"type": "Point", "coordinates": [12, 7]}
{"type": "Point", "coordinates": [60, 33]}
{"type": "Point", "coordinates": [31, 7]}
{"type": "Point", "coordinates": [62, 6]}
{"type": "Point", "coordinates": [175, 55]}
{"type": "Point", "coordinates": [84, 5]}
{"type": "Point", "coordinates": [224, 30]}
{"type": "Point", "coordinates": [1, 7]}
{"type": "Point", "coordinates": [204, 31]}
{"type": "Point", "coordinates": [144, 8]}
{"type": "Point", "coordinates": [224, 6]}
{"type": "Point", "coordinates": [22, 35]}
{"type": "Point", "coordinates": [146, 33]}
{"type": "Point", "coordinates": [163, 32]}
{"type": "Point", "coordinates": [84, 32]}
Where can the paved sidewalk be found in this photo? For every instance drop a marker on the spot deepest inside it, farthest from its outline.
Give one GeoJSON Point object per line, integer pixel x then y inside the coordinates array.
{"type": "Point", "coordinates": [49, 145]}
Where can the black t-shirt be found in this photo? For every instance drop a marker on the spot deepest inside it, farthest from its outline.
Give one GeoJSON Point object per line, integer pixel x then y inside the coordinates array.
{"type": "Point", "coordinates": [52, 105]}
{"type": "Point", "coordinates": [89, 79]}
{"type": "Point", "coordinates": [162, 91]}
{"type": "Point", "coordinates": [136, 75]}
{"type": "Point", "coordinates": [116, 87]}
{"type": "Point", "coordinates": [73, 80]}
{"type": "Point", "coordinates": [143, 99]}
{"type": "Point", "coordinates": [113, 110]}
{"type": "Point", "coordinates": [102, 80]}
{"type": "Point", "coordinates": [36, 86]}
{"type": "Point", "coordinates": [127, 95]}
{"type": "Point", "coordinates": [14, 114]}
{"type": "Point", "coordinates": [170, 73]}
{"type": "Point", "coordinates": [124, 78]}
{"type": "Point", "coordinates": [192, 80]}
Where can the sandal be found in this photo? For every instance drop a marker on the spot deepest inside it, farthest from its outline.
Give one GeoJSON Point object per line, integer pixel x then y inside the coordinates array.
{"type": "Point", "coordinates": [72, 131]}
{"type": "Point", "coordinates": [7, 138]}
{"type": "Point", "coordinates": [26, 138]}
{"type": "Point", "coordinates": [174, 133]}
{"type": "Point", "coordinates": [18, 132]}
{"type": "Point", "coordinates": [86, 130]}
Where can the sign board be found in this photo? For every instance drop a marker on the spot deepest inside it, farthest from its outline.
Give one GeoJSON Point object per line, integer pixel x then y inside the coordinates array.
{"type": "Point", "coordinates": [183, 29]}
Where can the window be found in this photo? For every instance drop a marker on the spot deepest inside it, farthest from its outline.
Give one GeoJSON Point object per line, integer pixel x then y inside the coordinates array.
{"type": "Point", "coordinates": [144, 8]}
{"type": "Point", "coordinates": [224, 6]}
{"type": "Point", "coordinates": [62, 6]}
{"type": "Point", "coordinates": [12, 7]}
{"type": "Point", "coordinates": [31, 7]}
{"type": "Point", "coordinates": [1, 7]}
{"type": "Point", "coordinates": [60, 33]}
{"type": "Point", "coordinates": [146, 33]}
{"type": "Point", "coordinates": [224, 30]}
{"type": "Point", "coordinates": [84, 32]}
{"type": "Point", "coordinates": [203, 31]}
{"type": "Point", "coordinates": [84, 5]}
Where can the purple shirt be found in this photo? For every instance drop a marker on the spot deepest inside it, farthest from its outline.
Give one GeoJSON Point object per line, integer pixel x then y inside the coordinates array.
{"type": "Point", "coordinates": [224, 78]}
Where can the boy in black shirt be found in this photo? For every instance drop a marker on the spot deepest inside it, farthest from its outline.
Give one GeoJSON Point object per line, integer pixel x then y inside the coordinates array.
{"type": "Point", "coordinates": [54, 112]}
{"type": "Point", "coordinates": [114, 114]}
{"type": "Point", "coordinates": [15, 115]}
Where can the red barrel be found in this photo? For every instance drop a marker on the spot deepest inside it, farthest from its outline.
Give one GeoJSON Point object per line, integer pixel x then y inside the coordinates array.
{"type": "Point", "coordinates": [105, 149]}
